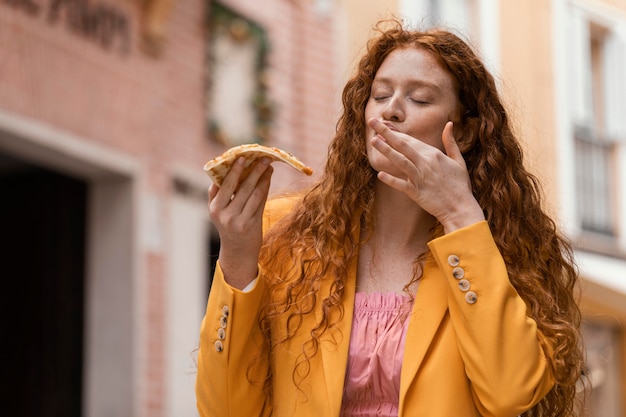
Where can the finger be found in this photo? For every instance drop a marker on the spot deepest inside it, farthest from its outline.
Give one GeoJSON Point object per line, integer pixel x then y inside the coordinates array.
{"type": "Point", "coordinates": [249, 184]}
{"type": "Point", "coordinates": [256, 203]}
{"type": "Point", "coordinates": [403, 144]}
{"type": "Point", "coordinates": [449, 144]}
{"type": "Point", "coordinates": [213, 189]}
{"type": "Point", "coordinates": [399, 184]}
{"type": "Point", "coordinates": [398, 157]}
{"type": "Point", "coordinates": [380, 128]}
{"type": "Point", "coordinates": [229, 185]}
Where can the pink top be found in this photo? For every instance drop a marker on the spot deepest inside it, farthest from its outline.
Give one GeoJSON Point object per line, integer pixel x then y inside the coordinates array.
{"type": "Point", "coordinates": [372, 384]}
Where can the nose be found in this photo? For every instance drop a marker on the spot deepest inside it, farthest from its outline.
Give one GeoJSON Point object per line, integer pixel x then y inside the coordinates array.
{"type": "Point", "coordinates": [394, 110]}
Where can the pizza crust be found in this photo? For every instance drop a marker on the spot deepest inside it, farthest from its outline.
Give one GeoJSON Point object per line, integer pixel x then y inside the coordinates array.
{"type": "Point", "coordinates": [217, 168]}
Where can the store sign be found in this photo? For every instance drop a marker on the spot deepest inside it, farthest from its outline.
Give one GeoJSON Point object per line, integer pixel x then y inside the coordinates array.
{"type": "Point", "coordinates": [102, 24]}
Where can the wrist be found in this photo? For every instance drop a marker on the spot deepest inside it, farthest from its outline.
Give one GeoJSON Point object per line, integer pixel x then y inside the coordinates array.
{"type": "Point", "coordinates": [462, 218]}
{"type": "Point", "coordinates": [238, 273]}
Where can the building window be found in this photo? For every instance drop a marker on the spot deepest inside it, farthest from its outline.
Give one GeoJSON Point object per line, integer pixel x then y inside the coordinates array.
{"type": "Point", "coordinates": [238, 108]}
{"type": "Point", "coordinates": [460, 15]}
{"type": "Point", "coordinates": [594, 182]}
{"type": "Point", "coordinates": [597, 109]}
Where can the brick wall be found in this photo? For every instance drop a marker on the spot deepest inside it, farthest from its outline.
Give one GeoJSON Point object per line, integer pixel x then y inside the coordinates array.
{"type": "Point", "coordinates": [153, 110]}
{"type": "Point", "coordinates": [149, 108]}
{"type": "Point", "coordinates": [303, 75]}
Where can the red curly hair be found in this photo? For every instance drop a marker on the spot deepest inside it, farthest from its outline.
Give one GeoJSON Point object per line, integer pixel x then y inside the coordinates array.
{"type": "Point", "coordinates": [320, 229]}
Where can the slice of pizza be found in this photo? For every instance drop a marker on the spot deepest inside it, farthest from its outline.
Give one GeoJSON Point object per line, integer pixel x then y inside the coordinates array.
{"type": "Point", "coordinates": [217, 168]}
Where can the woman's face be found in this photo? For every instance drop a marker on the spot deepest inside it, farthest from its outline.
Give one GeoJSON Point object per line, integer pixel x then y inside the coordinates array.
{"type": "Point", "coordinates": [413, 94]}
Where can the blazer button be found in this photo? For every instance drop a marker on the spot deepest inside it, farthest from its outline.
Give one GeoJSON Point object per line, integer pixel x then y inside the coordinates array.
{"type": "Point", "coordinates": [221, 333]}
{"type": "Point", "coordinates": [225, 311]}
{"type": "Point", "coordinates": [470, 297]}
{"type": "Point", "coordinates": [223, 322]}
{"type": "Point", "coordinates": [458, 272]}
{"type": "Point", "coordinates": [219, 346]}
{"type": "Point", "coordinates": [464, 285]}
{"type": "Point", "coordinates": [453, 260]}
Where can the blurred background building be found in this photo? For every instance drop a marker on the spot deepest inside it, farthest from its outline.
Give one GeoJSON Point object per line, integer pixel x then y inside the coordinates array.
{"type": "Point", "coordinates": [110, 108]}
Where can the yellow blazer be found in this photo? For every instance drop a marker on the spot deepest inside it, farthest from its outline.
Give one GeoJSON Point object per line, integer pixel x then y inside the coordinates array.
{"type": "Point", "coordinates": [469, 351]}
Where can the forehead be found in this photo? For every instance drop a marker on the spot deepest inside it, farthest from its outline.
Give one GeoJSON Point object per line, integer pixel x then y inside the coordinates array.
{"type": "Point", "coordinates": [414, 65]}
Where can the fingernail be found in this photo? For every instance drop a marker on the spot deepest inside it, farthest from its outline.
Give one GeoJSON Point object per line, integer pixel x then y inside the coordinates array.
{"type": "Point", "coordinates": [377, 140]}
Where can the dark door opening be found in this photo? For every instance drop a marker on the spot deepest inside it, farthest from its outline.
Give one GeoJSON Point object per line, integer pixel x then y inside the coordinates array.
{"type": "Point", "coordinates": [213, 243]}
{"type": "Point", "coordinates": [42, 247]}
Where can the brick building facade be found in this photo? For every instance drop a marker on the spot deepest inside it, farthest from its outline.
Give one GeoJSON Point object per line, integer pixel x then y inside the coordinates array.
{"type": "Point", "coordinates": [104, 128]}
{"type": "Point", "coordinates": [109, 109]}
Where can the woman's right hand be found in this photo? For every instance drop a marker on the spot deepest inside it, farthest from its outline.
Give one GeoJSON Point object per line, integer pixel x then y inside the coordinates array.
{"type": "Point", "coordinates": [236, 209]}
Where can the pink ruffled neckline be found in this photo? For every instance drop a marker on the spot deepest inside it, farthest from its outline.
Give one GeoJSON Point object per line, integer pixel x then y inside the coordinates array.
{"type": "Point", "coordinates": [372, 384]}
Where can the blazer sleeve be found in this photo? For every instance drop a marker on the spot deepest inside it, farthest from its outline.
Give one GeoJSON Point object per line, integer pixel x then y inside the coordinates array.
{"type": "Point", "coordinates": [498, 342]}
{"type": "Point", "coordinates": [228, 337]}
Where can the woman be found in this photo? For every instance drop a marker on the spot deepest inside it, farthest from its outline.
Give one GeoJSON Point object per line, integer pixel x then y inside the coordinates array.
{"type": "Point", "coordinates": [418, 277]}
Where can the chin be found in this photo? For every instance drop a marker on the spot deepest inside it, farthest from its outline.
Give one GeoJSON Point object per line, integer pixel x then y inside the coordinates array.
{"type": "Point", "coordinates": [379, 162]}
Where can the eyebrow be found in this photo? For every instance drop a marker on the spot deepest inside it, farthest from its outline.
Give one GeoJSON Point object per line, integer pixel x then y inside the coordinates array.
{"type": "Point", "coordinates": [415, 82]}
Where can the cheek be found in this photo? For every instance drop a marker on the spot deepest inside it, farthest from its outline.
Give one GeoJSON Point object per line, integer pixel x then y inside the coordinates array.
{"type": "Point", "coordinates": [369, 132]}
{"type": "Point", "coordinates": [368, 143]}
{"type": "Point", "coordinates": [369, 113]}
{"type": "Point", "coordinates": [377, 160]}
{"type": "Point", "coordinates": [430, 135]}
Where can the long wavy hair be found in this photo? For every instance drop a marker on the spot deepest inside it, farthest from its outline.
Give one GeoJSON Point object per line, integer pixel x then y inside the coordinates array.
{"type": "Point", "coordinates": [320, 230]}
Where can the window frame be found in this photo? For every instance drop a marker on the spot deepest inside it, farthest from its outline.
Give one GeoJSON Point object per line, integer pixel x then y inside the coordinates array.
{"type": "Point", "coordinates": [575, 114]}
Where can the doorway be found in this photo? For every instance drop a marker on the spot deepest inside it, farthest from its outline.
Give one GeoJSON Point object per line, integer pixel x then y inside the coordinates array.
{"type": "Point", "coordinates": [42, 246]}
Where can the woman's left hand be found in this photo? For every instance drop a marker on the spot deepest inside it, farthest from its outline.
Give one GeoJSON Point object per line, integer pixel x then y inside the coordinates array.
{"type": "Point", "coordinates": [438, 182]}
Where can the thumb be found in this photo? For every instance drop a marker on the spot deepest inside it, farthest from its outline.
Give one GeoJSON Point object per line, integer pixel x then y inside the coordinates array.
{"type": "Point", "coordinates": [213, 189]}
{"type": "Point", "coordinates": [450, 145]}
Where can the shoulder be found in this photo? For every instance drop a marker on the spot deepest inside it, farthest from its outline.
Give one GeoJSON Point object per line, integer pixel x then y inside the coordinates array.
{"type": "Point", "coordinates": [278, 207]}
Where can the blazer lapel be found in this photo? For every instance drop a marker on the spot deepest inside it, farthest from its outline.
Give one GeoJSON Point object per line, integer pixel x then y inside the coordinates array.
{"type": "Point", "coordinates": [430, 306]}
{"type": "Point", "coordinates": [336, 344]}
{"type": "Point", "coordinates": [335, 356]}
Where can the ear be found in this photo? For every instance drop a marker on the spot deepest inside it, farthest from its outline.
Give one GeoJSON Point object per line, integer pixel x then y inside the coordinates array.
{"type": "Point", "coordinates": [465, 133]}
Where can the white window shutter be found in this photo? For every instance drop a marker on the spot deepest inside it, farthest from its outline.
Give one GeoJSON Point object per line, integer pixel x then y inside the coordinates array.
{"type": "Point", "coordinates": [615, 85]}
{"type": "Point", "coordinates": [579, 81]}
